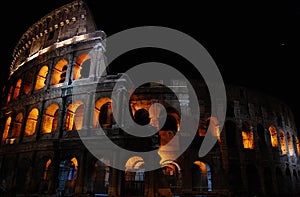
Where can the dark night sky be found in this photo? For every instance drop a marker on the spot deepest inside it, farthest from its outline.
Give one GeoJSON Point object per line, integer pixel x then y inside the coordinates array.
{"type": "Point", "coordinates": [254, 44]}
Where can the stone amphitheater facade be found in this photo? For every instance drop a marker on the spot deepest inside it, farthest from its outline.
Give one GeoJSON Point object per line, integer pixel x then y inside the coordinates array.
{"type": "Point", "coordinates": [42, 154]}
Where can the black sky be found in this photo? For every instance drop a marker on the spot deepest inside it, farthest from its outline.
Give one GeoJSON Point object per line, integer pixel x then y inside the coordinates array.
{"type": "Point", "coordinates": [254, 43]}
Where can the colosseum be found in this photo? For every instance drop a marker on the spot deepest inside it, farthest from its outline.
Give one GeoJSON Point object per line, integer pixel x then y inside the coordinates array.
{"type": "Point", "coordinates": [57, 95]}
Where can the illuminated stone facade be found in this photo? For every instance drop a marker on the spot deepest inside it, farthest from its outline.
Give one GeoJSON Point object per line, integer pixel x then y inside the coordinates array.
{"type": "Point", "coordinates": [41, 153]}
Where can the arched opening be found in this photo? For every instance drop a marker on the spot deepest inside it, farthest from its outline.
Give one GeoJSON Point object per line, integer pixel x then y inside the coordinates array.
{"type": "Point", "coordinates": [261, 137]}
{"type": "Point", "coordinates": [102, 117]}
{"type": "Point", "coordinates": [31, 122]}
{"type": "Point", "coordinates": [201, 180]}
{"type": "Point", "coordinates": [41, 78]}
{"type": "Point", "coordinates": [282, 142]}
{"type": "Point", "coordinates": [82, 67]}
{"type": "Point", "coordinates": [68, 170]}
{"type": "Point", "coordinates": [99, 179]}
{"type": "Point", "coordinates": [171, 111]}
{"type": "Point", "coordinates": [134, 177]}
{"type": "Point", "coordinates": [9, 93]}
{"type": "Point", "coordinates": [247, 135]}
{"type": "Point", "coordinates": [47, 176]}
{"type": "Point", "coordinates": [28, 80]}
{"type": "Point", "coordinates": [50, 119]}
{"type": "Point", "coordinates": [171, 171]}
{"type": "Point", "coordinates": [230, 130]}
{"type": "Point", "coordinates": [297, 145]}
{"type": "Point", "coordinates": [74, 116]}
{"type": "Point", "coordinates": [17, 125]}
{"type": "Point", "coordinates": [290, 144]}
{"type": "Point", "coordinates": [6, 128]}
{"type": "Point", "coordinates": [17, 89]}
{"type": "Point", "coordinates": [273, 134]}
{"type": "Point", "coordinates": [59, 72]}
{"type": "Point", "coordinates": [212, 126]}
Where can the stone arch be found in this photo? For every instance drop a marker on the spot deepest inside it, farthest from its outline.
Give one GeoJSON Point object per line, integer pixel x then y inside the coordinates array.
{"type": "Point", "coordinates": [68, 174]}
{"type": "Point", "coordinates": [44, 174]}
{"type": "Point", "coordinates": [28, 81]}
{"type": "Point", "coordinates": [31, 122]}
{"type": "Point", "coordinates": [201, 177]}
{"type": "Point", "coordinates": [283, 142]}
{"type": "Point", "coordinates": [9, 94]}
{"type": "Point", "coordinates": [247, 135]}
{"type": "Point", "coordinates": [273, 135]}
{"type": "Point", "coordinates": [81, 68]}
{"type": "Point", "coordinates": [74, 115]}
{"type": "Point", "coordinates": [172, 174]}
{"type": "Point", "coordinates": [41, 78]}
{"type": "Point", "coordinates": [98, 177]}
{"type": "Point", "coordinates": [134, 180]}
{"type": "Point", "coordinates": [51, 116]}
{"type": "Point", "coordinates": [212, 126]}
{"type": "Point", "coordinates": [17, 88]}
{"type": "Point", "coordinates": [59, 72]}
{"type": "Point", "coordinates": [103, 113]}
{"type": "Point", "coordinates": [290, 144]}
{"type": "Point", "coordinates": [17, 125]}
{"type": "Point", "coordinates": [297, 145]}
{"type": "Point", "coordinates": [6, 128]}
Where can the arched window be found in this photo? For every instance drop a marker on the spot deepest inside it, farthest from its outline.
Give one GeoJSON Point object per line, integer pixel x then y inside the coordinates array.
{"type": "Point", "coordinates": [201, 180]}
{"type": "Point", "coordinates": [75, 115]}
{"type": "Point", "coordinates": [67, 177]}
{"type": "Point", "coordinates": [103, 113]}
{"type": "Point", "coordinates": [9, 93]}
{"type": "Point", "coordinates": [273, 134]}
{"type": "Point", "coordinates": [47, 175]}
{"type": "Point", "coordinates": [282, 142]}
{"type": "Point", "coordinates": [31, 122]}
{"type": "Point", "coordinates": [99, 181]}
{"type": "Point", "coordinates": [59, 72]}
{"type": "Point", "coordinates": [247, 134]}
{"type": "Point", "coordinates": [50, 119]}
{"type": "Point", "coordinates": [171, 171]}
{"type": "Point", "coordinates": [297, 145]}
{"type": "Point", "coordinates": [17, 88]}
{"type": "Point", "coordinates": [134, 176]}
{"type": "Point", "coordinates": [212, 126]}
{"type": "Point", "coordinates": [6, 128]}
{"type": "Point", "coordinates": [28, 80]}
{"type": "Point", "coordinates": [17, 125]}
{"type": "Point", "coordinates": [171, 111]}
{"type": "Point", "coordinates": [82, 67]}
{"type": "Point", "coordinates": [290, 144]}
{"type": "Point", "coordinates": [41, 78]}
